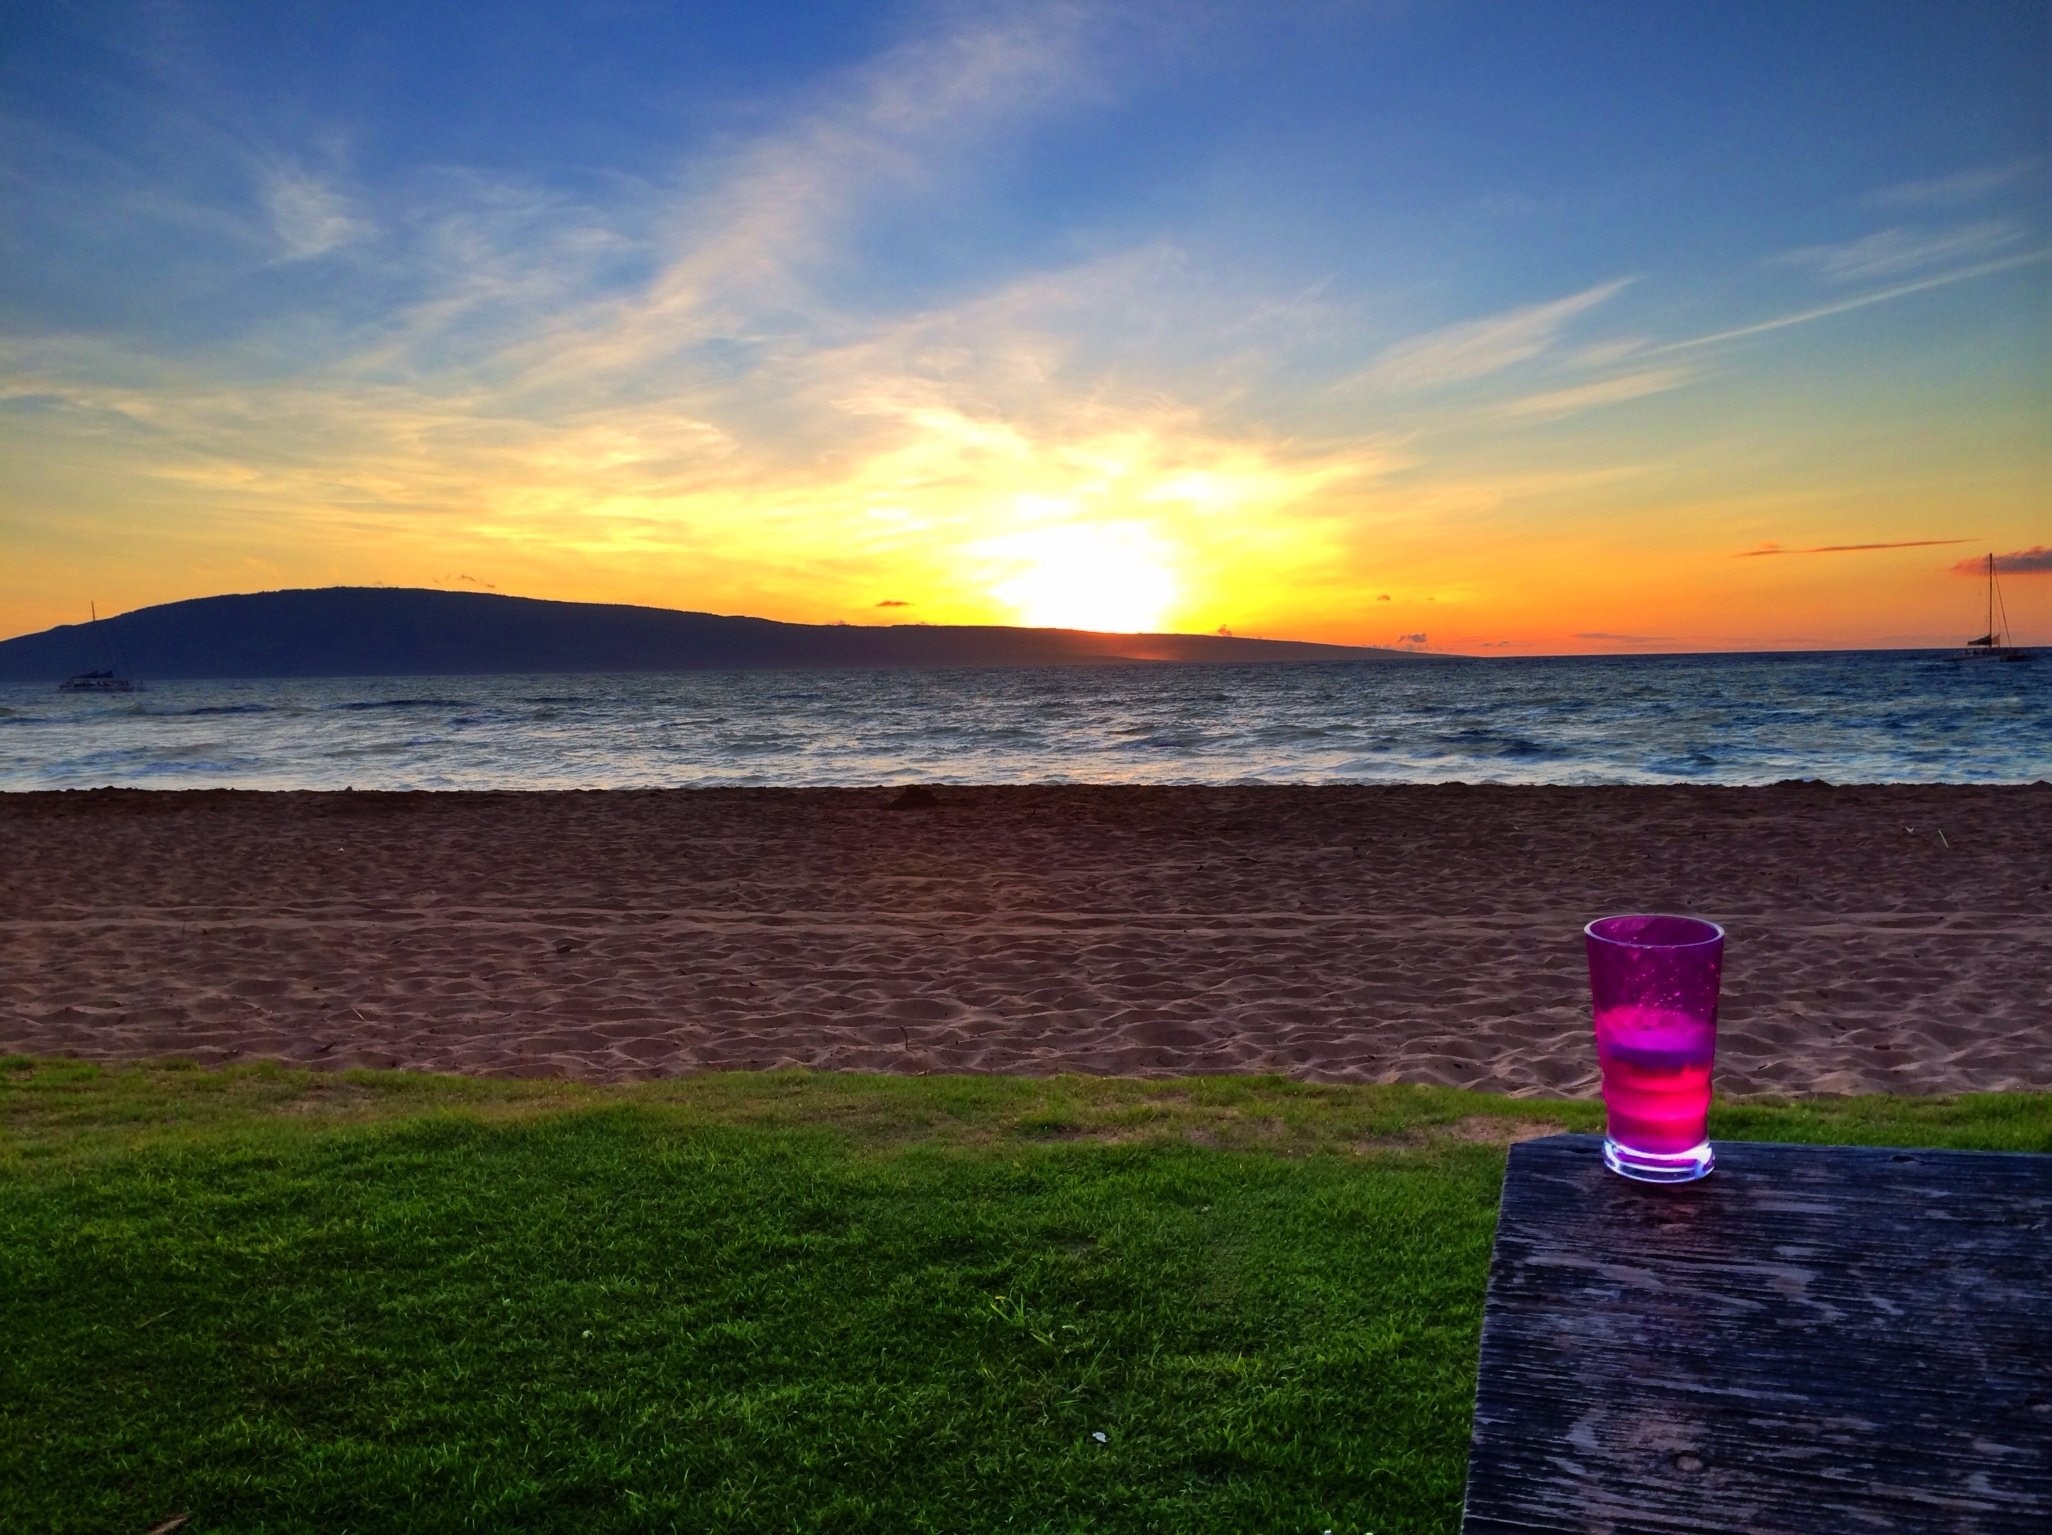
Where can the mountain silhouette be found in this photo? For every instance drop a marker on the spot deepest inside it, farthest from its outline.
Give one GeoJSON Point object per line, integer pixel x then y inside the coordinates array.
{"type": "Point", "coordinates": [358, 631]}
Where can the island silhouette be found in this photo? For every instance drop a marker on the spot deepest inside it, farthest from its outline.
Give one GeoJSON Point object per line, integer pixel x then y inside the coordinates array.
{"type": "Point", "coordinates": [355, 631]}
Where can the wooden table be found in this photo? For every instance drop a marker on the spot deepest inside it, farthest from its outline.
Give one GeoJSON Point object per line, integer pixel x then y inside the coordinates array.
{"type": "Point", "coordinates": [1829, 1339]}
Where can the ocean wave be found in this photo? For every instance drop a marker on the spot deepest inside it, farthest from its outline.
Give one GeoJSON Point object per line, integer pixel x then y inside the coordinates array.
{"type": "Point", "coordinates": [203, 759]}
{"type": "Point", "coordinates": [1159, 740]}
{"type": "Point", "coordinates": [1294, 734]}
{"type": "Point", "coordinates": [973, 736]}
{"type": "Point", "coordinates": [1707, 720]}
{"type": "Point", "coordinates": [195, 766]}
{"type": "Point", "coordinates": [1695, 764]}
{"type": "Point", "coordinates": [743, 745]}
{"type": "Point", "coordinates": [1491, 743]}
{"type": "Point", "coordinates": [381, 748]}
{"type": "Point", "coordinates": [369, 705]}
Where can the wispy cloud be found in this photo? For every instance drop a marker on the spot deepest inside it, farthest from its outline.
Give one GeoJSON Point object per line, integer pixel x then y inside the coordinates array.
{"type": "Point", "coordinates": [1607, 354]}
{"type": "Point", "coordinates": [1624, 639]}
{"type": "Point", "coordinates": [308, 216]}
{"type": "Point", "coordinates": [1952, 191]}
{"type": "Point", "coordinates": [1891, 253]}
{"type": "Point", "coordinates": [745, 251]}
{"type": "Point", "coordinates": [1845, 306]}
{"type": "Point", "coordinates": [1608, 391]}
{"type": "Point", "coordinates": [1477, 348]}
{"type": "Point", "coordinates": [2035, 561]}
{"type": "Point", "coordinates": [1912, 543]}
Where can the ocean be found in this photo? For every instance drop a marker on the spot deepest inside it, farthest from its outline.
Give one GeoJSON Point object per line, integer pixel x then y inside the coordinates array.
{"type": "Point", "coordinates": [1846, 717]}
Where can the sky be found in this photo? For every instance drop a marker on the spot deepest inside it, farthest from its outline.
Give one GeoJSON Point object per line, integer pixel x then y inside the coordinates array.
{"type": "Point", "coordinates": [1496, 328]}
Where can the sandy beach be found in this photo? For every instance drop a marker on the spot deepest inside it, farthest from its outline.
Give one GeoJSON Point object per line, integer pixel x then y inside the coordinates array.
{"type": "Point", "coordinates": [1881, 939]}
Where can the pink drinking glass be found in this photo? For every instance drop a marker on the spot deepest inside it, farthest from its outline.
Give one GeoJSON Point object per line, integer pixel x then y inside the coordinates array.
{"type": "Point", "coordinates": [1654, 984]}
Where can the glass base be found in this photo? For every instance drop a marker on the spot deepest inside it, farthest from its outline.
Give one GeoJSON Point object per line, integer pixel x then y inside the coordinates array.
{"type": "Point", "coordinates": [1658, 1166]}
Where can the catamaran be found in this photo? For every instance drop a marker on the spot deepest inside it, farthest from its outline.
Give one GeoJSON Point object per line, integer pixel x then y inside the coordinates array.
{"type": "Point", "coordinates": [1993, 643]}
{"type": "Point", "coordinates": [107, 679]}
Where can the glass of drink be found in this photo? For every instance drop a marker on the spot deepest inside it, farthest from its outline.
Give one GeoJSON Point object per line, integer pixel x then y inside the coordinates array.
{"type": "Point", "coordinates": [1654, 984]}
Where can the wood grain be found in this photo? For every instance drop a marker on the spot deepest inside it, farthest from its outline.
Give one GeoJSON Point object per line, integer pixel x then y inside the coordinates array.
{"type": "Point", "coordinates": [1812, 1339]}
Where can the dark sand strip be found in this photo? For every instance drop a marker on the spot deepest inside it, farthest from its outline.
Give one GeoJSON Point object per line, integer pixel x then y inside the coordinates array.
{"type": "Point", "coordinates": [1882, 939]}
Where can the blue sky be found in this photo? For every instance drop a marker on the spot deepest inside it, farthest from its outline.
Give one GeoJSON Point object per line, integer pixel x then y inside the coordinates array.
{"type": "Point", "coordinates": [1507, 323]}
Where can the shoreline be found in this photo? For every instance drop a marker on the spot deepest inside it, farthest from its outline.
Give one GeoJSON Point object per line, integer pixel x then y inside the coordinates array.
{"type": "Point", "coordinates": [1882, 938]}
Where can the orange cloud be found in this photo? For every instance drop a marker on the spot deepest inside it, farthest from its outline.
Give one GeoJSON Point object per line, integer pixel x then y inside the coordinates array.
{"type": "Point", "coordinates": [1913, 543]}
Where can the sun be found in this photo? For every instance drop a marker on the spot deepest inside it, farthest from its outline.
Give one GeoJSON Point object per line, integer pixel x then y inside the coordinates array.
{"type": "Point", "coordinates": [1109, 579]}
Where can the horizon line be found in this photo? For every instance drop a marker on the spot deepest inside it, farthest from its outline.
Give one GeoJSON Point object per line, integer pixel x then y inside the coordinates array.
{"type": "Point", "coordinates": [1423, 651]}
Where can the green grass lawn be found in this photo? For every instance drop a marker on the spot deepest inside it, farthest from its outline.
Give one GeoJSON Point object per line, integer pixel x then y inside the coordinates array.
{"type": "Point", "coordinates": [274, 1300]}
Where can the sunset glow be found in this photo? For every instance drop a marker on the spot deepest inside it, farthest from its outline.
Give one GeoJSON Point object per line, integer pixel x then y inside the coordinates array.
{"type": "Point", "coordinates": [1045, 314]}
{"type": "Point", "coordinates": [1086, 578]}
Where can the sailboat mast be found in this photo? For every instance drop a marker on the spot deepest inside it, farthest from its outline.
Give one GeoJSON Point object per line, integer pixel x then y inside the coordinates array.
{"type": "Point", "coordinates": [1990, 630]}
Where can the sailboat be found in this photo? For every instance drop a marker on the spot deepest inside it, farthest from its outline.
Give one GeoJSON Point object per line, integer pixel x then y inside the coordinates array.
{"type": "Point", "coordinates": [107, 679]}
{"type": "Point", "coordinates": [1993, 643]}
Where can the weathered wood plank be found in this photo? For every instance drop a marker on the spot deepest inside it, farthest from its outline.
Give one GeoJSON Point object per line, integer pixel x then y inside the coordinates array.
{"type": "Point", "coordinates": [1813, 1339]}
